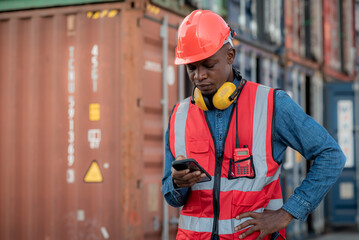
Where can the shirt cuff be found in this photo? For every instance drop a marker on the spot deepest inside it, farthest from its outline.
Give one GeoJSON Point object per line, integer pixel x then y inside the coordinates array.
{"type": "Point", "coordinates": [176, 197]}
{"type": "Point", "coordinates": [298, 207]}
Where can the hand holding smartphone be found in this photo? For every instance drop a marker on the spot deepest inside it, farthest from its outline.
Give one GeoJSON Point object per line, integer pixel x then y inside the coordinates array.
{"type": "Point", "coordinates": [192, 165]}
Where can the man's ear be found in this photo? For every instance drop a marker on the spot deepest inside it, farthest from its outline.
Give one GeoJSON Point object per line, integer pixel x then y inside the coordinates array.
{"type": "Point", "coordinates": [231, 54]}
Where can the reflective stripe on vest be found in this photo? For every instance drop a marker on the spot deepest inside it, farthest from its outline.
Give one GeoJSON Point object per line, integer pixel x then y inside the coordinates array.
{"type": "Point", "coordinates": [205, 224]}
{"type": "Point", "coordinates": [260, 129]}
{"type": "Point", "coordinates": [245, 185]}
{"type": "Point", "coordinates": [225, 226]}
{"type": "Point", "coordinates": [181, 117]}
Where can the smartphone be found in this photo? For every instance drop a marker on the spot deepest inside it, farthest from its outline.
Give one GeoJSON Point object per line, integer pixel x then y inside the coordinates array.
{"type": "Point", "coordinates": [192, 165]}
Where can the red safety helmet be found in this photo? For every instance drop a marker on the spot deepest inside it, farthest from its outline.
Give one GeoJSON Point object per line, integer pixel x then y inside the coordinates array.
{"type": "Point", "coordinates": [200, 35]}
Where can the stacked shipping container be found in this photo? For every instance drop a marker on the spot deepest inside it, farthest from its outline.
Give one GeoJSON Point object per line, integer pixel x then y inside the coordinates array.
{"type": "Point", "coordinates": [259, 39]}
{"type": "Point", "coordinates": [338, 71]}
{"type": "Point", "coordinates": [317, 47]}
{"type": "Point", "coordinates": [320, 51]}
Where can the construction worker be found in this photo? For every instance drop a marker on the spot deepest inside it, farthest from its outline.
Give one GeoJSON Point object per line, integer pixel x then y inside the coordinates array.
{"type": "Point", "coordinates": [238, 131]}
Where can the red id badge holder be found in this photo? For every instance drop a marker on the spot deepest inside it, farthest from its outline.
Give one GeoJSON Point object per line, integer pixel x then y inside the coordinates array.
{"type": "Point", "coordinates": [242, 164]}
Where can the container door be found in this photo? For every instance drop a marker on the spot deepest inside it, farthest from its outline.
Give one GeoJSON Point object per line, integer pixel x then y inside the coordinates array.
{"type": "Point", "coordinates": [341, 201]}
{"type": "Point", "coordinates": [69, 139]}
{"type": "Point", "coordinates": [152, 112]}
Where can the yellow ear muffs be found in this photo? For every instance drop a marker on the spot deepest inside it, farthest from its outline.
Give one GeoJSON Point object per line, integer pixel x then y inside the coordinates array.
{"type": "Point", "coordinates": [221, 100]}
{"type": "Point", "coordinates": [198, 99]}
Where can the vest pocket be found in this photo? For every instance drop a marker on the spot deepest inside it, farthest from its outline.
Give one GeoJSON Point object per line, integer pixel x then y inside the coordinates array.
{"type": "Point", "coordinates": [198, 150]}
{"type": "Point", "coordinates": [241, 168]}
{"type": "Point", "coordinates": [247, 202]}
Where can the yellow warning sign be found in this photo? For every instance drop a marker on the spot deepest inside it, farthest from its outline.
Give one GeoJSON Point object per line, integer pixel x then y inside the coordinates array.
{"type": "Point", "coordinates": [93, 174]}
{"type": "Point", "coordinates": [94, 112]}
{"type": "Point", "coordinates": [101, 14]}
{"type": "Point", "coordinates": [153, 9]}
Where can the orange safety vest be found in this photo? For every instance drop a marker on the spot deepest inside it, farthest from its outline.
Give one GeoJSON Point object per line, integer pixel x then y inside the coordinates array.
{"type": "Point", "coordinates": [212, 206]}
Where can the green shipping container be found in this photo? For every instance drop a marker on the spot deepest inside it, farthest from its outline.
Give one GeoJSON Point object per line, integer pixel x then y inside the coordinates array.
{"type": "Point", "coordinates": [186, 7]}
{"type": "Point", "coordinates": [11, 5]}
{"type": "Point", "coordinates": [218, 6]}
{"type": "Point", "coordinates": [179, 7]}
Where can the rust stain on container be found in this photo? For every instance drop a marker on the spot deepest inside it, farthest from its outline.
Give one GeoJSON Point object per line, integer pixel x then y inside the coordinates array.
{"type": "Point", "coordinates": [54, 64]}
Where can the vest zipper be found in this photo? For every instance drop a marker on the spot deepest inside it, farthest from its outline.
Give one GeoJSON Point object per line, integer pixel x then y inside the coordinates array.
{"type": "Point", "coordinates": [217, 178]}
{"type": "Point", "coordinates": [216, 195]}
{"type": "Point", "coordinates": [216, 185]}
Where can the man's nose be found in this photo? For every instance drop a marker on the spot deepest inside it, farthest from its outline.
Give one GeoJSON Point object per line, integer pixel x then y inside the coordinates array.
{"type": "Point", "coordinates": [200, 74]}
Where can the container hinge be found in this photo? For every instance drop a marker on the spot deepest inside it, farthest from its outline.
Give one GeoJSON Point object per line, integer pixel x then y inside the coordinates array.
{"type": "Point", "coordinates": [164, 26]}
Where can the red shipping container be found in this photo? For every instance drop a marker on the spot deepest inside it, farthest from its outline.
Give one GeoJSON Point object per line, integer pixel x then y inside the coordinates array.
{"type": "Point", "coordinates": [81, 130]}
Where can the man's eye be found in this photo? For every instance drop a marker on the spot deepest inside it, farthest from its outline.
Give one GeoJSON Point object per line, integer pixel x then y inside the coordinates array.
{"type": "Point", "coordinates": [209, 66]}
{"type": "Point", "coordinates": [191, 68]}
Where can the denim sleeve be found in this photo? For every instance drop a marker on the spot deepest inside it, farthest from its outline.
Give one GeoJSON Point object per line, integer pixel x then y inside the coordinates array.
{"type": "Point", "coordinates": [176, 197]}
{"type": "Point", "coordinates": [301, 132]}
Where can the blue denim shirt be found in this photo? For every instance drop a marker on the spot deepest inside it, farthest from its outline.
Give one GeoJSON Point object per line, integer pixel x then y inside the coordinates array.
{"type": "Point", "coordinates": [294, 128]}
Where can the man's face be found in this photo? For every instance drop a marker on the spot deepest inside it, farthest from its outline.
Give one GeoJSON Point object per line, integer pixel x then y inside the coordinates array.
{"type": "Point", "coordinates": [209, 74]}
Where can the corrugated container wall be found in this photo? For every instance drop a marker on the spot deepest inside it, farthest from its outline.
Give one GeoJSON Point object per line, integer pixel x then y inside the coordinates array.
{"type": "Point", "coordinates": [259, 39]}
{"type": "Point", "coordinates": [258, 66]}
{"type": "Point", "coordinates": [179, 7]}
{"type": "Point", "coordinates": [81, 136]}
{"type": "Point", "coordinates": [259, 20]}
{"type": "Point", "coordinates": [303, 27]}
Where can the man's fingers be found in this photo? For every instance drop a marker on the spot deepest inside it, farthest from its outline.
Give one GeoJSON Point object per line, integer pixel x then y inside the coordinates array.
{"type": "Point", "coordinates": [192, 175]}
{"type": "Point", "coordinates": [249, 232]}
{"type": "Point", "coordinates": [186, 175]}
{"type": "Point", "coordinates": [180, 157]}
{"type": "Point", "coordinates": [184, 178]}
{"type": "Point", "coordinates": [187, 182]}
{"type": "Point", "coordinates": [192, 180]}
{"type": "Point", "coordinates": [245, 224]}
{"type": "Point", "coordinates": [247, 214]}
{"type": "Point", "coordinates": [179, 173]}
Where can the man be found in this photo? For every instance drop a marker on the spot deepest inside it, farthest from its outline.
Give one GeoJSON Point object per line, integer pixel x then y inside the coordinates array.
{"type": "Point", "coordinates": [238, 132]}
